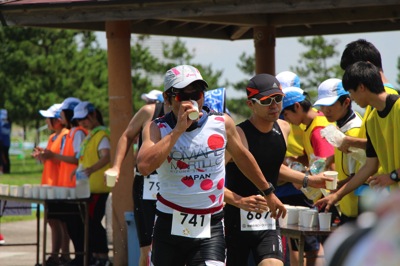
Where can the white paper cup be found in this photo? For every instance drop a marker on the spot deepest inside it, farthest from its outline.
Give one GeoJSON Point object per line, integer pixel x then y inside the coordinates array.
{"type": "Point", "coordinates": [315, 218]}
{"type": "Point", "coordinates": [35, 192]}
{"type": "Point", "coordinates": [331, 185]}
{"type": "Point", "coordinates": [301, 209]}
{"type": "Point", "coordinates": [325, 220]}
{"type": "Point", "coordinates": [5, 189]}
{"type": "Point", "coordinates": [62, 192]}
{"type": "Point", "coordinates": [13, 190]}
{"type": "Point", "coordinates": [111, 177]}
{"type": "Point", "coordinates": [43, 192]}
{"type": "Point", "coordinates": [194, 115]}
{"type": "Point", "coordinates": [308, 219]}
{"type": "Point", "coordinates": [27, 190]}
{"type": "Point", "coordinates": [51, 193]}
{"type": "Point", "coordinates": [292, 215]}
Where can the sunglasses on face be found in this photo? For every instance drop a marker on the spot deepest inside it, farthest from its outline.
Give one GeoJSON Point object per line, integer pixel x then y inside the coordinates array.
{"type": "Point", "coordinates": [267, 102]}
{"type": "Point", "coordinates": [181, 96]}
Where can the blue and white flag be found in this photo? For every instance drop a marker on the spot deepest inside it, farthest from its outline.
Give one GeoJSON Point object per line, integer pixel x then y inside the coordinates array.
{"type": "Point", "coordinates": [215, 100]}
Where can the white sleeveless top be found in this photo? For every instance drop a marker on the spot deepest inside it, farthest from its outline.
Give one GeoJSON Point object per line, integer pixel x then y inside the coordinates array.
{"type": "Point", "coordinates": [193, 176]}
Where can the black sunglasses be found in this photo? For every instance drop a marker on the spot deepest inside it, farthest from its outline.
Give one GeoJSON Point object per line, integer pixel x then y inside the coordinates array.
{"type": "Point", "coordinates": [181, 96]}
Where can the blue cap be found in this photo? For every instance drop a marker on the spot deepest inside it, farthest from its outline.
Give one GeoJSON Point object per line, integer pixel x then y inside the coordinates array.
{"type": "Point", "coordinates": [292, 97]}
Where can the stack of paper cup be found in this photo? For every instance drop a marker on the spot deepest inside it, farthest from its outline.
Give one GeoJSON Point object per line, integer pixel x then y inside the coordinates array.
{"type": "Point", "coordinates": [51, 192]}
{"type": "Point", "coordinates": [27, 191]}
{"type": "Point", "coordinates": [5, 189]}
{"type": "Point", "coordinates": [35, 191]}
{"type": "Point", "coordinates": [292, 215]}
{"type": "Point", "coordinates": [283, 221]}
{"type": "Point", "coordinates": [301, 210]}
{"type": "Point", "coordinates": [308, 219]}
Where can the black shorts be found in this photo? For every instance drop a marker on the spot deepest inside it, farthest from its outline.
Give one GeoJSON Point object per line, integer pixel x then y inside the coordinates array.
{"type": "Point", "coordinates": [261, 244]}
{"type": "Point", "coordinates": [171, 250]}
{"type": "Point", "coordinates": [144, 211]}
{"type": "Point", "coordinates": [312, 243]}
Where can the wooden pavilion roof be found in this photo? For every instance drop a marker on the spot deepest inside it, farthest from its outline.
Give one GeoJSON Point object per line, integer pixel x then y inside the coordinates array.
{"type": "Point", "coordinates": [215, 19]}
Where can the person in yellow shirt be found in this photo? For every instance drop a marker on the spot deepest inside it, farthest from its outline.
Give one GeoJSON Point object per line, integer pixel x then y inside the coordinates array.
{"type": "Point", "coordinates": [335, 103]}
{"type": "Point", "coordinates": [363, 81]}
{"type": "Point", "coordinates": [93, 160]}
{"type": "Point", "coordinates": [362, 50]}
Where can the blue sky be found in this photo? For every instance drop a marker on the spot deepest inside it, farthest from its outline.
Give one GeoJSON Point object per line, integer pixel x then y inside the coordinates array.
{"type": "Point", "coordinates": [224, 55]}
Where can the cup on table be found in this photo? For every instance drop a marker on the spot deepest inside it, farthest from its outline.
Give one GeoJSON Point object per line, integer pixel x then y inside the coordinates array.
{"type": "Point", "coordinates": [331, 185]}
{"type": "Point", "coordinates": [283, 221]}
{"type": "Point", "coordinates": [308, 219]}
{"type": "Point", "coordinates": [301, 209]}
{"type": "Point", "coordinates": [111, 177]}
{"type": "Point", "coordinates": [27, 190]}
{"type": "Point", "coordinates": [325, 220]}
{"type": "Point", "coordinates": [292, 215]}
{"type": "Point", "coordinates": [315, 218]}
{"type": "Point", "coordinates": [51, 192]}
{"type": "Point", "coordinates": [43, 191]}
{"type": "Point", "coordinates": [35, 191]}
{"type": "Point", "coordinates": [5, 189]}
{"type": "Point", "coordinates": [194, 115]}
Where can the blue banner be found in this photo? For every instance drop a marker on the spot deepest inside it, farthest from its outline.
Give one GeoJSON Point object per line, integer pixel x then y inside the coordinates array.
{"type": "Point", "coordinates": [215, 99]}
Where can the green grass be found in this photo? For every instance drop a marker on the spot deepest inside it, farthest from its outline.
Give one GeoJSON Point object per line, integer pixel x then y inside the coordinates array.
{"type": "Point", "coordinates": [24, 170]}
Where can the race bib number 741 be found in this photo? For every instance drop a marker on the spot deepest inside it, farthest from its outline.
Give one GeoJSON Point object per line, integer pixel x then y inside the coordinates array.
{"type": "Point", "coordinates": [191, 225]}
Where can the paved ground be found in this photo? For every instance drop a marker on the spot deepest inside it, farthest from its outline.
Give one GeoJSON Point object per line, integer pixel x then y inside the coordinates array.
{"type": "Point", "coordinates": [22, 232]}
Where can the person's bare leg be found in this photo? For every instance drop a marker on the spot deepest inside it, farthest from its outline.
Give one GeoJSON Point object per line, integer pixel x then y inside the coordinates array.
{"type": "Point", "coordinates": [271, 262]}
{"type": "Point", "coordinates": [315, 258]}
{"type": "Point", "coordinates": [65, 251]}
{"type": "Point", "coordinates": [56, 237]}
{"type": "Point", "coordinates": [294, 255]}
{"type": "Point", "coordinates": [144, 256]}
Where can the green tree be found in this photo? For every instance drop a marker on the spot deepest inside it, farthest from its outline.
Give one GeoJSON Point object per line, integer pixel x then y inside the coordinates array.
{"type": "Point", "coordinates": [314, 64]}
{"type": "Point", "coordinates": [40, 67]}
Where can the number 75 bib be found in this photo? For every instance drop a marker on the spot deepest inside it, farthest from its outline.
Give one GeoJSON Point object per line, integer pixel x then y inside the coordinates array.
{"type": "Point", "coordinates": [151, 186]}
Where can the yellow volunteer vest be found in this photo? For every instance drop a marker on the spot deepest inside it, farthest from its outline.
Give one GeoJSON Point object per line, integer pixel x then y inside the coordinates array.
{"type": "Point", "coordinates": [295, 141]}
{"type": "Point", "coordinates": [368, 111]}
{"type": "Point", "coordinates": [89, 155]}
{"type": "Point", "coordinates": [384, 134]}
{"type": "Point", "coordinates": [349, 203]}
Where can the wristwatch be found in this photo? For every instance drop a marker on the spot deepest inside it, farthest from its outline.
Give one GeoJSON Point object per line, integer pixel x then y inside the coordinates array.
{"type": "Point", "coordinates": [394, 176]}
{"type": "Point", "coordinates": [268, 190]}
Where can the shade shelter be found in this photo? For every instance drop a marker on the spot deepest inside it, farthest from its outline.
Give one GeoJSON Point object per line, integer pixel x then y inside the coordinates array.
{"type": "Point", "coordinates": [260, 20]}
